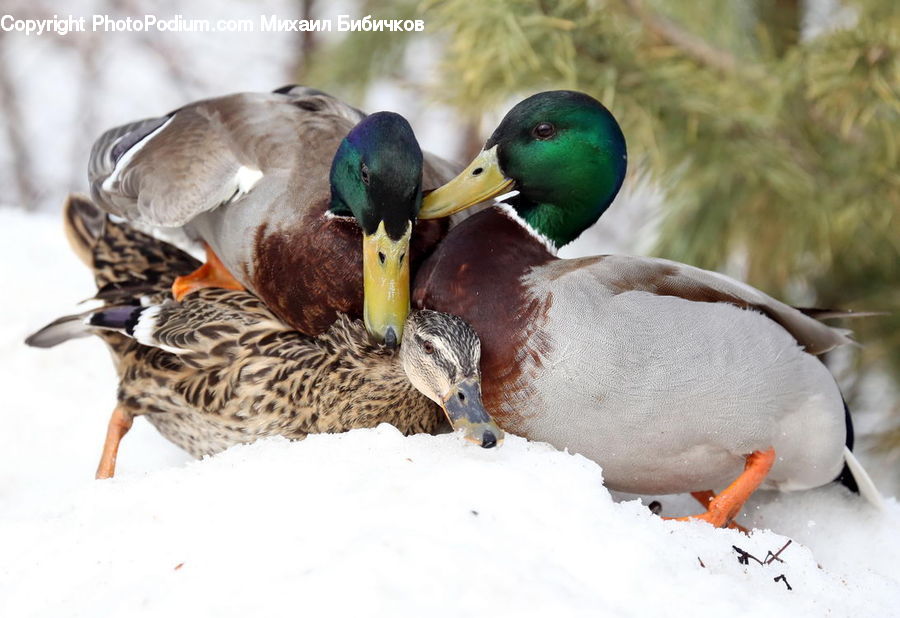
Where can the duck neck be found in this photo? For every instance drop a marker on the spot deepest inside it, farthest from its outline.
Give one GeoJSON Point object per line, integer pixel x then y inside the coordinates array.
{"type": "Point", "coordinates": [337, 206]}
{"type": "Point", "coordinates": [370, 384]}
{"type": "Point", "coordinates": [559, 224]}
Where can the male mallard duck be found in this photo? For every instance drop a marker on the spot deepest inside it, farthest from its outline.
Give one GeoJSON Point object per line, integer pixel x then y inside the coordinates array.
{"type": "Point", "coordinates": [219, 368]}
{"type": "Point", "coordinates": [249, 175]}
{"type": "Point", "coordinates": [674, 379]}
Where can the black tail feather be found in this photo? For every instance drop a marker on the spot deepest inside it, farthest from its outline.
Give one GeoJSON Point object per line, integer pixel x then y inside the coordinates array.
{"type": "Point", "coordinates": [845, 478]}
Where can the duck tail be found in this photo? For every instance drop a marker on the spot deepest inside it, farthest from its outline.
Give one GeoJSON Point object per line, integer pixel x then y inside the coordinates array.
{"type": "Point", "coordinates": [853, 476]}
{"type": "Point", "coordinates": [60, 330]}
{"type": "Point", "coordinates": [845, 478]}
{"type": "Point", "coordinates": [122, 319]}
{"type": "Point", "coordinates": [866, 488]}
{"type": "Point", "coordinates": [83, 224]}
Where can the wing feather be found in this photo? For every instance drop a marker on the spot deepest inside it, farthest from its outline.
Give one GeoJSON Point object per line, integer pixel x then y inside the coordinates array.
{"type": "Point", "coordinates": [619, 274]}
{"type": "Point", "coordinates": [166, 171]}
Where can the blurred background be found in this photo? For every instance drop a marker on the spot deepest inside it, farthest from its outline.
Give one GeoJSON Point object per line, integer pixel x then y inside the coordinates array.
{"type": "Point", "coordinates": [763, 136]}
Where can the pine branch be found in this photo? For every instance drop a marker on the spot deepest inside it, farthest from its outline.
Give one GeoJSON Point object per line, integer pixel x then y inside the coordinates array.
{"type": "Point", "coordinates": [694, 47]}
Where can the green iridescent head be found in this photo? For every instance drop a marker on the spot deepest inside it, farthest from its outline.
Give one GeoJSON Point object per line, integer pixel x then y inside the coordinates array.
{"type": "Point", "coordinates": [376, 176]}
{"type": "Point", "coordinates": [561, 150]}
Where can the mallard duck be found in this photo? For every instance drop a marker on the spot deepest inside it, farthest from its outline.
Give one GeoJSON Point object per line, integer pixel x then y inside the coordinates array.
{"type": "Point", "coordinates": [674, 379]}
{"type": "Point", "coordinates": [248, 174]}
{"type": "Point", "coordinates": [219, 368]}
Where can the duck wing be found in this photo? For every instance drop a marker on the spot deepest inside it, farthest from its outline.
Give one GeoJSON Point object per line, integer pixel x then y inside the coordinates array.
{"type": "Point", "coordinates": [213, 327]}
{"type": "Point", "coordinates": [209, 324]}
{"type": "Point", "coordinates": [624, 274]}
{"type": "Point", "coordinates": [165, 171]}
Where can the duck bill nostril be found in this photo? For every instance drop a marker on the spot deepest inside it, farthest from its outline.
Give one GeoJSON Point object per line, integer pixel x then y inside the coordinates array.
{"type": "Point", "coordinates": [466, 412]}
{"type": "Point", "coordinates": [385, 284]}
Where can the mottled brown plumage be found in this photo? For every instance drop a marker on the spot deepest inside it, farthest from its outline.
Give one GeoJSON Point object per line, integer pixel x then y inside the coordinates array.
{"type": "Point", "coordinates": [222, 369]}
{"type": "Point", "coordinates": [247, 376]}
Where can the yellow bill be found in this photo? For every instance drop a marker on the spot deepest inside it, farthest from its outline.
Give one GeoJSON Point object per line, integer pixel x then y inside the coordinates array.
{"type": "Point", "coordinates": [480, 181]}
{"type": "Point", "coordinates": [386, 284]}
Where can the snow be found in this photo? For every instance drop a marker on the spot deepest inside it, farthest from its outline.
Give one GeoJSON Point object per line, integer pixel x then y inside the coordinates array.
{"type": "Point", "coordinates": [368, 522]}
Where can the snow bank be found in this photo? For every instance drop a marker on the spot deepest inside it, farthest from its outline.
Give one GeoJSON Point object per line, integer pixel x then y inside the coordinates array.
{"type": "Point", "coordinates": [367, 522]}
{"type": "Point", "coordinates": [374, 523]}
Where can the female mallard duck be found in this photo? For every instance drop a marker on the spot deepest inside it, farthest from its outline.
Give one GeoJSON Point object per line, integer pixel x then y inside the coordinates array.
{"type": "Point", "coordinates": [248, 174]}
{"type": "Point", "coordinates": [673, 378]}
{"type": "Point", "coordinates": [219, 368]}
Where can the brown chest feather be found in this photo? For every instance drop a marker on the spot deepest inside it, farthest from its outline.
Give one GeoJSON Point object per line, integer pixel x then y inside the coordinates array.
{"type": "Point", "coordinates": [308, 274]}
{"type": "Point", "coordinates": [476, 273]}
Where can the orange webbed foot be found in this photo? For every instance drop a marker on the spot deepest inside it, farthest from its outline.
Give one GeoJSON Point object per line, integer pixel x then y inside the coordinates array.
{"type": "Point", "coordinates": [212, 274]}
{"type": "Point", "coordinates": [722, 509]}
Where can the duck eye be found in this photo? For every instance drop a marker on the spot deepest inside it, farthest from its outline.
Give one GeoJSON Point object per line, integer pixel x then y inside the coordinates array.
{"type": "Point", "coordinates": [544, 130]}
{"type": "Point", "coordinates": [364, 173]}
{"type": "Point", "coordinates": [428, 347]}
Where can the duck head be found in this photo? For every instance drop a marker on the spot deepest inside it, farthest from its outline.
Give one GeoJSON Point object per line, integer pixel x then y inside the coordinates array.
{"type": "Point", "coordinates": [440, 355]}
{"type": "Point", "coordinates": [561, 151]}
{"type": "Point", "coordinates": [376, 176]}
